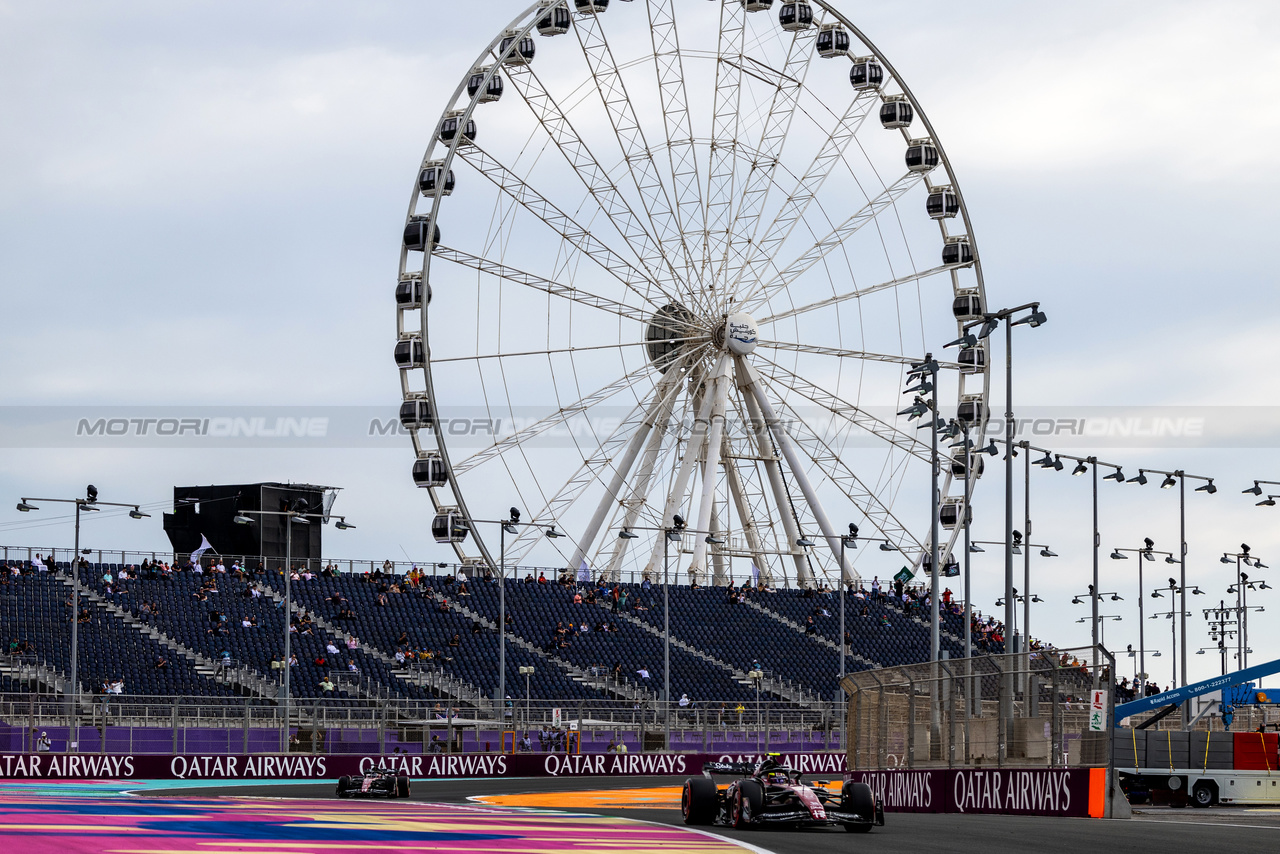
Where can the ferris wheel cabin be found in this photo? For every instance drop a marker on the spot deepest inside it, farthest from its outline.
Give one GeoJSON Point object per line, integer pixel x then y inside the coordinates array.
{"type": "Point", "coordinates": [429, 471]}
{"type": "Point", "coordinates": [419, 233]}
{"type": "Point", "coordinates": [833, 41]}
{"type": "Point", "coordinates": [448, 526]}
{"type": "Point", "coordinates": [523, 52]}
{"type": "Point", "coordinates": [449, 128]}
{"type": "Point", "coordinates": [943, 203]}
{"type": "Point", "coordinates": [487, 92]}
{"type": "Point", "coordinates": [866, 73]}
{"type": "Point", "coordinates": [896, 112]}
{"type": "Point", "coordinates": [795, 16]}
{"type": "Point", "coordinates": [555, 20]}
{"type": "Point", "coordinates": [922, 155]}
{"type": "Point", "coordinates": [957, 251]}
{"type": "Point", "coordinates": [409, 292]}
{"type": "Point", "coordinates": [415, 413]}
{"type": "Point", "coordinates": [434, 175]}
{"type": "Point", "coordinates": [410, 353]}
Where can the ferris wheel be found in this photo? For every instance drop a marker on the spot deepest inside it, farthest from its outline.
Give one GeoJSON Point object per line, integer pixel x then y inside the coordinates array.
{"type": "Point", "coordinates": [666, 265]}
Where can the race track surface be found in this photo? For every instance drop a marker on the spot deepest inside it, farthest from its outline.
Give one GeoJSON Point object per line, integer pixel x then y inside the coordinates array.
{"type": "Point", "coordinates": [1212, 830]}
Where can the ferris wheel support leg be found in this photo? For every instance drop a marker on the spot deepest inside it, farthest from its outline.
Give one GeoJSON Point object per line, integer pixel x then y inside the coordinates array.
{"type": "Point", "coordinates": [662, 391]}
{"type": "Point", "coordinates": [719, 394]}
{"type": "Point", "coordinates": [640, 491]}
{"type": "Point", "coordinates": [692, 450]}
{"type": "Point", "coordinates": [745, 516]}
{"type": "Point", "coordinates": [797, 469]}
{"type": "Point", "coordinates": [719, 573]}
{"type": "Point", "coordinates": [781, 500]}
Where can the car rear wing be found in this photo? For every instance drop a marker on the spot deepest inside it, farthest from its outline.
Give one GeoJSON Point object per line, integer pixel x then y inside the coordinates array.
{"type": "Point", "coordinates": [709, 768]}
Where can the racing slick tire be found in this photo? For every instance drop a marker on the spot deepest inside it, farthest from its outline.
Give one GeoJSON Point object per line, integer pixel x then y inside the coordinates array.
{"type": "Point", "coordinates": [699, 800]}
{"type": "Point", "coordinates": [402, 787]}
{"type": "Point", "coordinates": [748, 801]}
{"type": "Point", "coordinates": [857, 798]}
{"type": "Point", "coordinates": [344, 783]}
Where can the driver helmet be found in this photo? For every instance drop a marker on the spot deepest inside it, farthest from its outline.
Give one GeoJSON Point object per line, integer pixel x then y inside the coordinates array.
{"type": "Point", "coordinates": [778, 777]}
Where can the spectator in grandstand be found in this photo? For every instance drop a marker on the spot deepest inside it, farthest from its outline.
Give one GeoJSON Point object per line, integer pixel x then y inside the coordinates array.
{"type": "Point", "coordinates": [542, 578]}
{"type": "Point", "coordinates": [326, 685]}
{"type": "Point", "coordinates": [381, 600]}
{"type": "Point", "coordinates": [644, 672]}
{"type": "Point", "coordinates": [577, 597]}
{"type": "Point", "coordinates": [400, 656]}
{"type": "Point", "coordinates": [476, 628]}
{"type": "Point", "coordinates": [875, 587]}
{"type": "Point", "coordinates": [116, 687]}
{"type": "Point", "coordinates": [43, 745]}
{"type": "Point", "coordinates": [809, 627]}
{"type": "Point", "coordinates": [293, 659]}
{"type": "Point", "coordinates": [437, 745]}
{"type": "Point", "coordinates": [612, 748]}
{"type": "Point", "coordinates": [353, 643]}
{"type": "Point", "coordinates": [320, 661]}
{"type": "Point", "coordinates": [526, 746]}
{"type": "Point", "coordinates": [456, 640]}
{"type": "Point", "coordinates": [161, 662]}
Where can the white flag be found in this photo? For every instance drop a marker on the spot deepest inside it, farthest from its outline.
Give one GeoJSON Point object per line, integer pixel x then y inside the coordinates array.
{"type": "Point", "coordinates": [204, 547]}
{"type": "Point", "coordinates": [755, 575]}
{"type": "Point", "coordinates": [584, 572]}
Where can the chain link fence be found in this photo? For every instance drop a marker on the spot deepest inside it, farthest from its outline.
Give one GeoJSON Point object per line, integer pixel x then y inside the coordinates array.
{"type": "Point", "coordinates": [1014, 710]}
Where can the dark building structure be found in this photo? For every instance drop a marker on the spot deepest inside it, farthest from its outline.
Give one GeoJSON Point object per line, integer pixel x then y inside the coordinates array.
{"type": "Point", "coordinates": [210, 511]}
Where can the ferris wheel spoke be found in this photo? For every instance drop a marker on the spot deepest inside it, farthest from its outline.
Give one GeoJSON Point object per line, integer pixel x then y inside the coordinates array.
{"type": "Point", "coordinates": [828, 461]}
{"type": "Point", "coordinates": [859, 293]}
{"type": "Point", "coordinates": [664, 218]}
{"type": "Point", "coordinates": [719, 394]}
{"type": "Point", "coordinates": [784, 506]}
{"type": "Point", "coordinates": [638, 282]}
{"type": "Point", "coordinates": [834, 404]}
{"type": "Point", "coordinates": [538, 283]}
{"type": "Point", "coordinates": [591, 469]}
{"type": "Point", "coordinates": [560, 350]}
{"type": "Point", "coordinates": [773, 134]}
{"type": "Point", "coordinates": [672, 89]}
{"type": "Point", "coordinates": [765, 291]}
{"type": "Point", "coordinates": [658, 410]}
{"type": "Point", "coordinates": [596, 179]}
{"type": "Point", "coordinates": [722, 169]}
{"type": "Point", "coordinates": [742, 505]}
{"type": "Point", "coordinates": [768, 240]}
{"type": "Point", "coordinates": [842, 353]}
{"type": "Point", "coordinates": [542, 425]}
{"type": "Point", "coordinates": [638, 497]}
{"type": "Point", "coordinates": [692, 450]}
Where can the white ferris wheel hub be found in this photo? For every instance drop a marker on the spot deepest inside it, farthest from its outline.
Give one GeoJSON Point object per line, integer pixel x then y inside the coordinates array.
{"type": "Point", "coordinates": [740, 333]}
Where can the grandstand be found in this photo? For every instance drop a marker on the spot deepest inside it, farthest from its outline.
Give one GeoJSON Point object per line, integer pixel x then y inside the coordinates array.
{"type": "Point", "coordinates": [430, 638]}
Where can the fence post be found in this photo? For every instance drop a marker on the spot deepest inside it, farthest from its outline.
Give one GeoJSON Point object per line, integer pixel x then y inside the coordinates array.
{"type": "Point", "coordinates": [911, 723]}
{"type": "Point", "coordinates": [1055, 718]}
{"type": "Point", "coordinates": [175, 724]}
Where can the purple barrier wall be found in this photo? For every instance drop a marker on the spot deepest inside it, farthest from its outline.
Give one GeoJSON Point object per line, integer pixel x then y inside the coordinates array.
{"type": "Point", "coordinates": [328, 767]}
{"type": "Point", "coordinates": [1032, 791]}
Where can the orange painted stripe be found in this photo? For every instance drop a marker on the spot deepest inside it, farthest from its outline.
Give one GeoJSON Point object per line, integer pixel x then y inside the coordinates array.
{"type": "Point", "coordinates": [1097, 792]}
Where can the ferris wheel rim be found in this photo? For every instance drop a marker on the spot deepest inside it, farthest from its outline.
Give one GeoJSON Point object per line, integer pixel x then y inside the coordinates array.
{"type": "Point", "coordinates": [530, 20]}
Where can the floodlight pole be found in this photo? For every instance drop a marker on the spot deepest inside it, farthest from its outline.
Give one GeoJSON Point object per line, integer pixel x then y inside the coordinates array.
{"type": "Point", "coordinates": [292, 517]}
{"type": "Point", "coordinates": [666, 638]}
{"type": "Point", "coordinates": [1182, 561]}
{"type": "Point", "coordinates": [90, 503]}
{"type": "Point", "coordinates": [1036, 318]}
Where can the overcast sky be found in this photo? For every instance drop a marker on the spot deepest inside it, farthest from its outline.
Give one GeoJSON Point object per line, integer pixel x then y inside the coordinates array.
{"type": "Point", "coordinates": [202, 203]}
